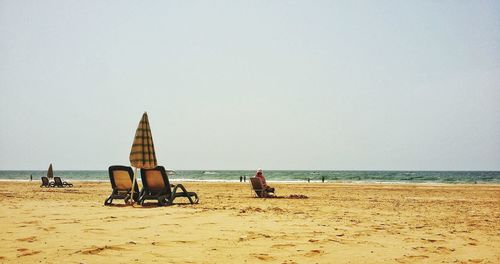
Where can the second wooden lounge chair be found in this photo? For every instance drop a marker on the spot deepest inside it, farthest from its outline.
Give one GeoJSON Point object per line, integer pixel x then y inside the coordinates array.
{"type": "Point", "coordinates": [121, 178]}
{"type": "Point", "coordinates": [156, 186]}
{"type": "Point", "coordinates": [59, 183]}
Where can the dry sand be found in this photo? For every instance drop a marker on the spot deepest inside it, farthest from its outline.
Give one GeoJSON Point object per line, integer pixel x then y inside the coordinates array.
{"type": "Point", "coordinates": [339, 223]}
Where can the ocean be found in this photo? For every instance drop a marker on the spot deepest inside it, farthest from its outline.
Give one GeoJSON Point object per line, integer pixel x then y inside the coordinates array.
{"type": "Point", "coordinates": [285, 176]}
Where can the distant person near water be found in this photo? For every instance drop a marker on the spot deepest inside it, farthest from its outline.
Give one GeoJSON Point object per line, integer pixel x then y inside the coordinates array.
{"type": "Point", "coordinates": [241, 178]}
{"type": "Point", "coordinates": [322, 178]}
{"type": "Point", "coordinates": [31, 177]}
{"type": "Point", "coordinates": [260, 175]}
{"type": "Point", "coordinates": [244, 178]}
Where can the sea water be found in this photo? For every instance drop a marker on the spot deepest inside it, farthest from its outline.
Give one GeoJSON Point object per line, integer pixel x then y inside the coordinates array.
{"type": "Point", "coordinates": [284, 175]}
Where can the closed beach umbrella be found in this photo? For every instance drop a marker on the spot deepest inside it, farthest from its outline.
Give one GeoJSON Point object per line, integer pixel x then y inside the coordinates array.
{"type": "Point", "coordinates": [142, 154]}
{"type": "Point", "coordinates": [50, 172]}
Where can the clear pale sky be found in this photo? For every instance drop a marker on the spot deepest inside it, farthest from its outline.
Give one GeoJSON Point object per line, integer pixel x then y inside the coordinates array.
{"type": "Point", "coordinates": [411, 85]}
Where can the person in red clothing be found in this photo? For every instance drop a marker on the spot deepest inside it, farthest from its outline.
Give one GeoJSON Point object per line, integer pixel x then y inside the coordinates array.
{"type": "Point", "coordinates": [260, 175]}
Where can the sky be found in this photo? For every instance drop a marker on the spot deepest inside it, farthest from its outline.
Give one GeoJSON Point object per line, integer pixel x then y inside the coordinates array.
{"type": "Point", "coordinates": [313, 85]}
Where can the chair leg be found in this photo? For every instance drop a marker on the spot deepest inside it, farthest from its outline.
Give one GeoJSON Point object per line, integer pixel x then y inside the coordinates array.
{"type": "Point", "coordinates": [141, 200]}
{"type": "Point", "coordinates": [163, 200]}
{"type": "Point", "coordinates": [137, 196]}
{"type": "Point", "coordinates": [108, 201]}
{"type": "Point", "coordinates": [186, 193]}
{"type": "Point", "coordinates": [196, 199]}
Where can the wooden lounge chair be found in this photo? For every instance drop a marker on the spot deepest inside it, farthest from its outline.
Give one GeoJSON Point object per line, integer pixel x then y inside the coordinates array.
{"type": "Point", "coordinates": [46, 182]}
{"type": "Point", "coordinates": [156, 186]}
{"type": "Point", "coordinates": [60, 183]}
{"type": "Point", "coordinates": [121, 178]}
{"type": "Point", "coordinates": [259, 189]}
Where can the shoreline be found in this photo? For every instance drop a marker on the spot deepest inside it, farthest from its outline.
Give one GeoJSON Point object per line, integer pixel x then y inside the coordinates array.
{"type": "Point", "coordinates": [290, 182]}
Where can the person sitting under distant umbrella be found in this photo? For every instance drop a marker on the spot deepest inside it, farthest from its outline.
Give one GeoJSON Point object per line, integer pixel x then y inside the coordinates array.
{"type": "Point", "coordinates": [260, 175]}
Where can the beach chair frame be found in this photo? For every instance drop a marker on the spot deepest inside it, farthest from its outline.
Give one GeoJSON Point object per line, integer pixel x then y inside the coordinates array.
{"type": "Point", "coordinates": [117, 193]}
{"type": "Point", "coordinates": [166, 195]}
{"type": "Point", "coordinates": [60, 183]}
{"type": "Point", "coordinates": [46, 183]}
{"type": "Point", "coordinates": [259, 190]}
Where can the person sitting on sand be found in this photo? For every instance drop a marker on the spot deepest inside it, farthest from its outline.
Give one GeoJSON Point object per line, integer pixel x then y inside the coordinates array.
{"type": "Point", "coordinates": [260, 175]}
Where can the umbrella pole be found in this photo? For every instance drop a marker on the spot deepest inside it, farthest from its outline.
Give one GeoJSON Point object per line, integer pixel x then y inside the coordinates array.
{"type": "Point", "coordinates": [134, 182]}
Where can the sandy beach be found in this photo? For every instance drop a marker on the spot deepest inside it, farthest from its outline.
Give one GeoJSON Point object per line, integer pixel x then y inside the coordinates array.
{"type": "Point", "coordinates": [338, 223]}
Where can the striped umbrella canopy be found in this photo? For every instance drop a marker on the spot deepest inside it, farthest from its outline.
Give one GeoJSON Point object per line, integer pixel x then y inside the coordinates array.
{"type": "Point", "coordinates": [50, 172]}
{"type": "Point", "coordinates": [142, 154]}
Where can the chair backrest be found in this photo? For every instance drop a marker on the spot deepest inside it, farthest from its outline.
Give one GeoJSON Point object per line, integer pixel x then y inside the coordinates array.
{"type": "Point", "coordinates": [58, 181]}
{"type": "Point", "coordinates": [121, 177]}
{"type": "Point", "coordinates": [45, 180]}
{"type": "Point", "coordinates": [256, 184]}
{"type": "Point", "coordinates": [156, 179]}
{"type": "Point", "coordinates": [258, 187]}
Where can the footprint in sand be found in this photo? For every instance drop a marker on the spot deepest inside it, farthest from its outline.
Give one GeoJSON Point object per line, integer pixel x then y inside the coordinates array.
{"type": "Point", "coordinates": [408, 239]}
{"type": "Point", "coordinates": [436, 250]}
{"type": "Point", "coordinates": [282, 246]}
{"type": "Point", "coordinates": [431, 240]}
{"type": "Point", "coordinates": [23, 252]}
{"type": "Point", "coordinates": [75, 221]}
{"type": "Point", "coordinates": [443, 250]}
{"type": "Point", "coordinates": [27, 239]}
{"type": "Point", "coordinates": [314, 252]}
{"type": "Point", "coordinates": [169, 224]}
{"type": "Point", "coordinates": [411, 258]}
{"type": "Point", "coordinates": [183, 241]}
{"type": "Point", "coordinates": [95, 250]}
{"type": "Point", "coordinates": [49, 228]}
{"type": "Point", "coordinates": [94, 230]}
{"type": "Point", "coordinates": [336, 240]}
{"type": "Point", "coordinates": [473, 242]}
{"type": "Point", "coordinates": [136, 228]}
{"type": "Point", "coordinates": [31, 222]}
{"type": "Point", "coordinates": [264, 257]}
{"type": "Point", "coordinates": [158, 255]}
{"type": "Point", "coordinates": [420, 248]}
